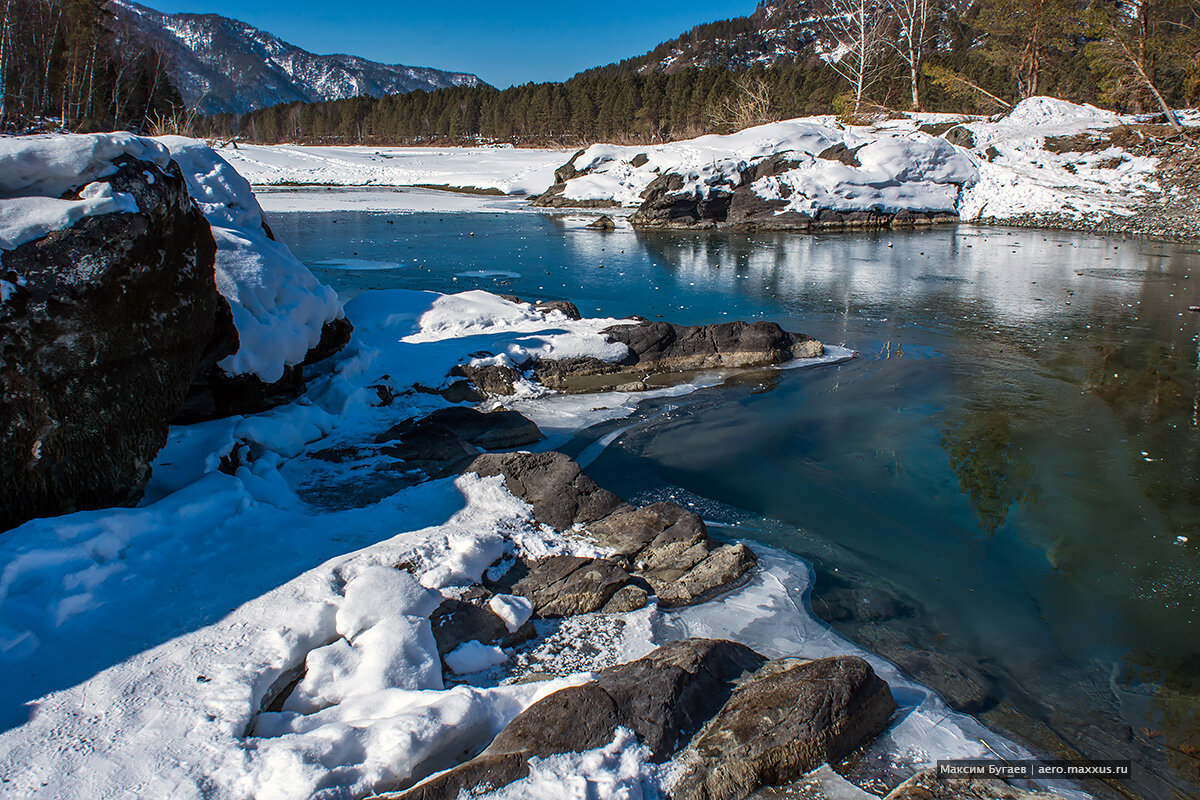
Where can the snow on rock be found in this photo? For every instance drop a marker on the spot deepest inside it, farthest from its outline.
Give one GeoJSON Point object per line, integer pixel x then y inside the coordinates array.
{"type": "Point", "coordinates": [474, 656]}
{"type": "Point", "coordinates": [620, 770]}
{"type": "Point", "coordinates": [514, 610]}
{"type": "Point", "coordinates": [506, 169]}
{"type": "Point", "coordinates": [279, 307]}
{"type": "Point", "coordinates": [35, 171]}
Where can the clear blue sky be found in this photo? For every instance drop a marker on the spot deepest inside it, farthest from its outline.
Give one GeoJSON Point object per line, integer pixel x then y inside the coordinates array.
{"type": "Point", "coordinates": [502, 42]}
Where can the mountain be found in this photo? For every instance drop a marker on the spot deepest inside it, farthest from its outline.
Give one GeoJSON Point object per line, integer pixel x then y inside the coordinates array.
{"type": "Point", "coordinates": [223, 65]}
{"type": "Point", "coordinates": [779, 32]}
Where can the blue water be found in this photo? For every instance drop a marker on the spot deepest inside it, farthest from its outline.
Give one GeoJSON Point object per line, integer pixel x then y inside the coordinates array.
{"type": "Point", "coordinates": [1016, 453]}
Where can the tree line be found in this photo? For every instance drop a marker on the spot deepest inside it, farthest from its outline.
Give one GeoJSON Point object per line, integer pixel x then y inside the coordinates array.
{"type": "Point", "coordinates": [71, 64]}
{"type": "Point", "coordinates": [944, 55]}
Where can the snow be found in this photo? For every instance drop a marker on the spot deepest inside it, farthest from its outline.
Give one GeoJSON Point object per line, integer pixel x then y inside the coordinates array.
{"type": "Point", "coordinates": [471, 657]}
{"type": "Point", "coordinates": [279, 307]}
{"type": "Point", "coordinates": [620, 770]}
{"type": "Point", "coordinates": [514, 610]}
{"type": "Point", "coordinates": [35, 171]}
{"type": "Point", "coordinates": [508, 169]}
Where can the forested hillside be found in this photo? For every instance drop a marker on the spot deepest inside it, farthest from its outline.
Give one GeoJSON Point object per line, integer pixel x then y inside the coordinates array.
{"type": "Point", "coordinates": [937, 55]}
{"type": "Point", "coordinates": [71, 60]}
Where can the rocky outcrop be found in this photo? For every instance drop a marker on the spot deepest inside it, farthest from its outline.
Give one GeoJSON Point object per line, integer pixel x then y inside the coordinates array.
{"type": "Point", "coordinates": [101, 338]}
{"type": "Point", "coordinates": [468, 618]}
{"type": "Point", "coordinates": [662, 549]}
{"type": "Point", "coordinates": [553, 197]}
{"type": "Point", "coordinates": [783, 721]}
{"type": "Point", "coordinates": [928, 786]}
{"type": "Point", "coordinates": [663, 347]}
{"type": "Point", "coordinates": [664, 698]}
{"type": "Point", "coordinates": [745, 725]}
{"type": "Point", "coordinates": [445, 441]}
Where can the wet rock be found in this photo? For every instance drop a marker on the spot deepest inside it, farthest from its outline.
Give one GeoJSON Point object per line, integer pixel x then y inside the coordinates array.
{"type": "Point", "coordinates": [782, 722]}
{"type": "Point", "coordinates": [557, 488]}
{"type": "Point", "coordinates": [927, 786]}
{"type": "Point", "coordinates": [963, 687]}
{"type": "Point", "coordinates": [99, 342]}
{"type": "Point", "coordinates": [603, 223]}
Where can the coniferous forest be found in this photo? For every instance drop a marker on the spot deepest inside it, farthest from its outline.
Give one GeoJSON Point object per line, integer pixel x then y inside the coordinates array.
{"type": "Point", "coordinates": [978, 57]}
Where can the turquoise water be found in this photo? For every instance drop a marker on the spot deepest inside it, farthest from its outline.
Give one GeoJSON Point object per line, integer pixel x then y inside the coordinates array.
{"type": "Point", "coordinates": [1016, 454]}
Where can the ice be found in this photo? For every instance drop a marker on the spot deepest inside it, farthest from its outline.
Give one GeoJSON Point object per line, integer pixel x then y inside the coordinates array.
{"type": "Point", "coordinates": [473, 656]}
{"type": "Point", "coordinates": [514, 610]}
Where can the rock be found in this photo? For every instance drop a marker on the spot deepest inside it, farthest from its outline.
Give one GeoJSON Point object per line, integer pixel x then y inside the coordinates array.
{"type": "Point", "coordinates": [747, 208]}
{"type": "Point", "coordinates": [664, 698]}
{"type": "Point", "coordinates": [567, 171]}
{"type": "Point", "coordinates": [844, 603]}
{"type": "Point", "coordinates": [494, 430]}
{"type": "Point", "coordinates": [560, 493]}
{"type": "Point", "coordinates": [640, 160]}
{"type": "Point", "coordinates": [963, 687]}
{"type": "Point", "coordinates": [720, 571]}
{"type": "Point", "coordinates": [603, 223]}
{"type": "Point", "coordinates": [927, 786]}
{"type": "Point", "coordinates": [434, 450]}
{"type": "Point", "coordinates": [668, 695]}
{"type": "Point", "coordinates": [563, 586]}
{"type": "Point", "coordinates": [492, 380]}
{"type": "Point", "coordinates": [960, 137]}
{"type": "Point", "coordinates": [784, 721]}
{"type": "Point", "coordinates": [840, 152]}
{"type": "Point", "coordinates": [568, 308]}
{"type": "Point", "coordinates": [108, 325]}
{"type": "Point", "coordinates": [666, 204]}
{"type": "Point", "coordinates": [215, 394]}
{"type": "Point", "coordinates": [468, 618]}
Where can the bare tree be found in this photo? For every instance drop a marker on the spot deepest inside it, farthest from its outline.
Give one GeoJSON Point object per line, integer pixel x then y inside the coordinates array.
{"type": "Point", "coordinates": [912, 18]}
{"type": "Point", "coordinates": [749, 105]}
{"type": "Point", "coordinates": [858, 28]}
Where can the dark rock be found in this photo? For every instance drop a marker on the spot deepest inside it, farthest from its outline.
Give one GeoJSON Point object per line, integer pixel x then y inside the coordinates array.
{"type": "Point", "coordinates": [842, 603]}
{"type": "Point", "coordinates": [840, 152]}
{"type": "Point", "coordinates": [566, 307]}
{"type": "Point", "coordinates": [664, 698]}
{"type": "Point", "coordinates": [571, 720]}
{"type": "Point", "coordinates": [928, 786]}
{"type": "Point", "coordinates": [746, 207]}
{"type": "Point", "coordinates": [436, 451]}
{"type": "Point", "coordinates": [963, 687]}
{"type": "Point", "coordinates": [494, 430]}
{"type": "Point", "coordinates": [215, 394]}
{"type": "Point", "coordinates": [492, 380]}
{"type": "Point", "coordinates": [98, 345]}
{"type": "Point", "coordinates": [468, 618]}
{"type": "Point", "coordinates": [640, 160]}
{"type": "Point", "coordinates": [603, 223]}
{"type": "Point", "coordinates": [720, 571]}
{"type": "Point", "coordinates": [668, 695]}
{"type": "Point", "coordinates": [563, 586]}
{"type": "Point", "coordinates": [784, 721]}
{"type": "Point", "coordinates": [960, 136]}
{"type": "Point", "coordinates": [665, 204]}
{"type": "Point", "coordinates": [567, 171]}
{"type": "Point", "coordinates": [560, 493]}
{"type": "Point", "coordinates": [829, 218]}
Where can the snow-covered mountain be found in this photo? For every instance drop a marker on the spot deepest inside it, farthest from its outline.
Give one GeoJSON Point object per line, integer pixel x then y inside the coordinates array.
{"type": "Point", "coordinates": [778, 32]}
{"type": "Point", "coordinates": [223, 65]}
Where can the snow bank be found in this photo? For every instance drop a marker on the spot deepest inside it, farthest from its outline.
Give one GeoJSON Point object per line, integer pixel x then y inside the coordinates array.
{"type": "Point", "coordinates": [900, 169]}
{"type": "Point", "coordinates": [279, 307]}
{"type": "Point", "coordinates": [35, 171]}
{"type": "Point", "coordinates": [506, 169]}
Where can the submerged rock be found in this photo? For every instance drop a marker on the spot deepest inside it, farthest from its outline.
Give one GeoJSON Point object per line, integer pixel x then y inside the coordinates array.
{"type": "Point", "coordinates": [102, 336]}
{"type": "Point", "coordinates": [782, 722]}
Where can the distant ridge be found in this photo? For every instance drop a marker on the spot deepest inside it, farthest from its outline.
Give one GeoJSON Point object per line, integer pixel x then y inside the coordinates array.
{"type": "Point", "coordinates": [221, 65]}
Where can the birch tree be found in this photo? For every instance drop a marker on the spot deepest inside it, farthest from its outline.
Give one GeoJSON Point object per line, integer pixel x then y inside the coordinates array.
{"type": "Point", "coordinates": [858, 28]}
{"type": "Point", "coordinates": [1133, 38]}
{"type": "Point", "coordinates": [912, 24]}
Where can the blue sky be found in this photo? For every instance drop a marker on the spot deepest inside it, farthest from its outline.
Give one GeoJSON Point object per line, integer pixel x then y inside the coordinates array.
{"type": "Point", "coordinates": [503, 43]}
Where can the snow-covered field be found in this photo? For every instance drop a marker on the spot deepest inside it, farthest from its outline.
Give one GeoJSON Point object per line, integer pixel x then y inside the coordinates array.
{"type": "Point", "coordinates": [506, 169]}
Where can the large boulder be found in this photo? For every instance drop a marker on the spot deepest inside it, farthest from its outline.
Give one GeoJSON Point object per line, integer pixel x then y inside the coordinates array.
{"type": "Point", "coordinates": [103, 331]}
{"type": "Point", "coordinates": [664, 698]}
{"type": "Point", "coordinates": [553, 484]}
{"type": "Point", "coordinates": [782, 722]}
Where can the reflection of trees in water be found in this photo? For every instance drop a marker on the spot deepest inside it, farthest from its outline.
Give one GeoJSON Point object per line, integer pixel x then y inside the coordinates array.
{"type": "Point", "coordinates": [991, 469]}
{"type": "Point", "coordinates": [1173, 713]}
